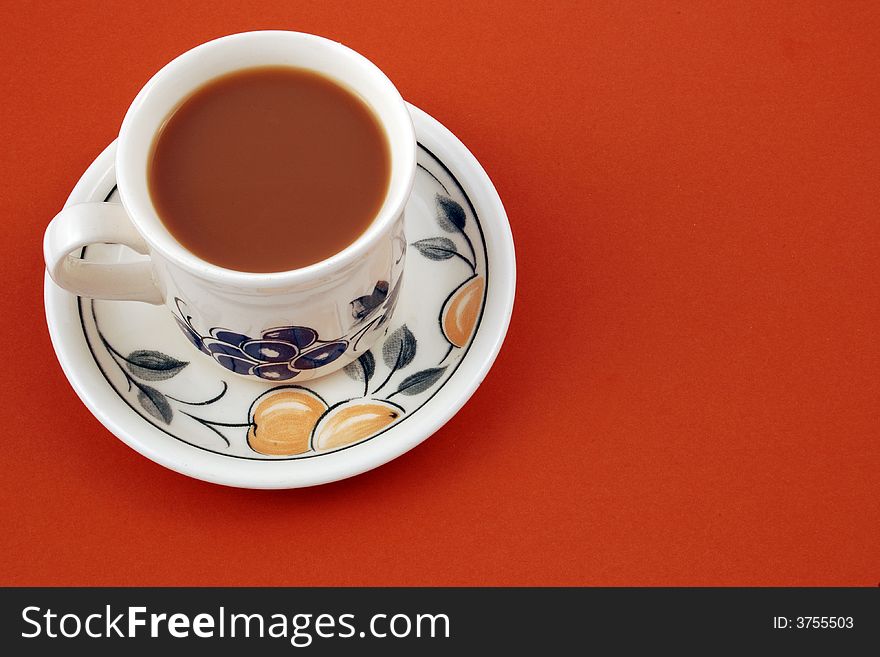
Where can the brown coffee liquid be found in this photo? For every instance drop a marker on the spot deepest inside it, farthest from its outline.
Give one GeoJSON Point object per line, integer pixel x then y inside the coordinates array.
{"type": "Point", "coordinates": [269, 169]}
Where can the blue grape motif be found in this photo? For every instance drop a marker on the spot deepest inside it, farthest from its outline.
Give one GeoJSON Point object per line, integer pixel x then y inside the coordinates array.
{"type": "Point", "coordinates": [279, 354]}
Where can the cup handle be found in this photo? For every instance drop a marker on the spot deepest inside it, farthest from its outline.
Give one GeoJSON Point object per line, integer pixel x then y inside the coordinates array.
{"type": "Point", "coordinates": [82, 224]}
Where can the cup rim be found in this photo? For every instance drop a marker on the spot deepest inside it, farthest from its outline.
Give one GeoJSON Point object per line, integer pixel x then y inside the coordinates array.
{"type": "Point", "coordinates": [134, 192]}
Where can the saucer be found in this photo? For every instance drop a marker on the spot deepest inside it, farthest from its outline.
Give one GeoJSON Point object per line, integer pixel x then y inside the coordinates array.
{"type": "Point", "coordinates": [138, 374]}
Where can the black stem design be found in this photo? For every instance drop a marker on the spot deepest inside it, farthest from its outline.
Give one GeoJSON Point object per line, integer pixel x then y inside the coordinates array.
{"type": "Point", "coordinates": [471, 247]}
{"type": "Point", "coordinates": [391, 373]}
{"type": "Point", "coordinates": [363, 331]}
{"type": "Point", "coordinates": [366, 380]}
{"type": "Point", "coordinates": [434, 177]}
{"type": "Point", "coordinates": [128, 379]}
{"type": "Point", "coordinates": [446, 355]}
{"type": "Point", "coordinates": [214, 423]}
{"type": "Point", "coordinates": [469, 263]}
{"type": "Point", "coordinates": [186, 318]}
{"type": "Point", "coordinates": [208, 425]}
{"type": "Point", "coordinates": [131, 380]}
{"type": "Point", "coordinates": [206, 402]}
{"type": "Point", "coordinates": [115, 354]}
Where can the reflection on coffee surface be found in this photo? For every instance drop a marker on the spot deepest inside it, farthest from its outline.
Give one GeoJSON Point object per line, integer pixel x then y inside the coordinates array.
{"type": "Point", "coordinates": [269, 169]}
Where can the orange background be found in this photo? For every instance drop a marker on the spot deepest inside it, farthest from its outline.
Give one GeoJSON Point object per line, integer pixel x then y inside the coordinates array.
{"type": "Point", "coordinates": [689, 390]}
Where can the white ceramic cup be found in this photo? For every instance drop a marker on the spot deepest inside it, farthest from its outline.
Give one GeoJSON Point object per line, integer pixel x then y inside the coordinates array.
{"type": "Point", "coordinates": [281, 326]}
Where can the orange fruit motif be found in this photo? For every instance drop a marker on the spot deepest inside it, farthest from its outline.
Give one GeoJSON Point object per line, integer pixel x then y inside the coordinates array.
{"type": "Point", "coordinates": [282, 421]}
{"type": "Point", "coordinates": [353, 421]}
{"type": "Point", "coordinates": [458, 317]}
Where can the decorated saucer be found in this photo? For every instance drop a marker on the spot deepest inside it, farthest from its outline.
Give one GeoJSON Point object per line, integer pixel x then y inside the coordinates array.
{"type": "Point", "coordinates": [136, 372]}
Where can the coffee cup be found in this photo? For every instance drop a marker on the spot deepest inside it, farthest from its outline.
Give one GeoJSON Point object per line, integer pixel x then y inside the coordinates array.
{"type": "Point", "coordinates": [290, 325]}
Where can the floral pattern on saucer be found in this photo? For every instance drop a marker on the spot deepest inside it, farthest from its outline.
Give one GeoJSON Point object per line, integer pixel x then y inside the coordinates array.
{"type": "Point", "coordinates": [441, 305]}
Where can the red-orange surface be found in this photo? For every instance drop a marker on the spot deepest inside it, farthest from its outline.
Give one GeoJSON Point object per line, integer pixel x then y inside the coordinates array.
{"type": "Point", "coordinates": [689, 390]}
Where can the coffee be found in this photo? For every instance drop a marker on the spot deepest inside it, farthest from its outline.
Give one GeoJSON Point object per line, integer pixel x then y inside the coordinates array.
{"type": "Point", "coordinates": [269, 169]}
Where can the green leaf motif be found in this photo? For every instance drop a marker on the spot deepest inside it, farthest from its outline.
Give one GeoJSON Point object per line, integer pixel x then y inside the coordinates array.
{"type": "Point", "coordinates": [155, 403]}
{"type": "Point", "coordinates": [450, 215]}
{"type": "Point", "coordinates": [436, 248]}
{"type": "Point", "coordinates": [363, 368]}
{"type": "Point", "coordinates": [399, 349]}
{"type": "Point", "coordinates": [420, 381]}
{"type": "Point", "coordinates": [151, 365]}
